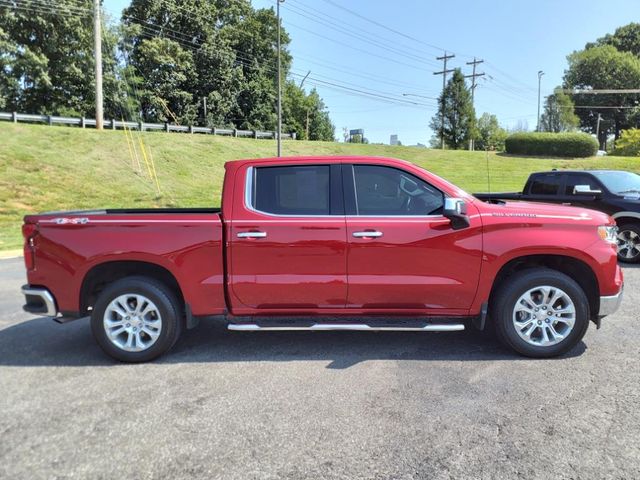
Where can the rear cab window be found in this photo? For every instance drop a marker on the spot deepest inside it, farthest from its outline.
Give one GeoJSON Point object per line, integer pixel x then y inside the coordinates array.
{"type": "Point", "coordinates": [547, 184]}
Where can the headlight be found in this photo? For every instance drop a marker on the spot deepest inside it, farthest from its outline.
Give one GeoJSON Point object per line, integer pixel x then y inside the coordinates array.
{"type": "Point", "coordinates": [608, 233]}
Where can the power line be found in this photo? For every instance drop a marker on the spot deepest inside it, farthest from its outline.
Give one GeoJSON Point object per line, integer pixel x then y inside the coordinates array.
{"type": "Point", "coordinates": [365, 38]}
{"type": "Point", "coordinates": [43, 9]}
{"type": "Point", "coordinates": [342, 86]}
{"type": "Point", "coordinates": [180, 38]}
{"type": "Point", "coordinates": [342, 44]}
{"type": "Point", "coordinates": [596, 107]}
{"type": "Point", "coordinates": [595, 91]}
{"type": "Point", "coordinates": [382, 25]}
{"type": "Point", "coordinates": [372, 77]}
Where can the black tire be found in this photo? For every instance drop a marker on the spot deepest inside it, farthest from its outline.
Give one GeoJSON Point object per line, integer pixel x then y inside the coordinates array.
{"type": "Point", "coordinates": [629, 231]}
{"type": "Point", "coordinates": [167, 304]}
{"type": "Point", "coordinates": [504, 302]}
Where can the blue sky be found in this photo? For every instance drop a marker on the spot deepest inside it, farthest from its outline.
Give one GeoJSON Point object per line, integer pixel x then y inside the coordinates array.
{"type": "Point", "coordinates": [515, 38]}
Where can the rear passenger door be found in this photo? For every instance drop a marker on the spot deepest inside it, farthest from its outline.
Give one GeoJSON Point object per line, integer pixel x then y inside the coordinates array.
{"type": "Point", "coordinates": [287, 239]}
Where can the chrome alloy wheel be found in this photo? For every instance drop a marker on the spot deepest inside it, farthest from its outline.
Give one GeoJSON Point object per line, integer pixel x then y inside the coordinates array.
{"type": "Point", "coordinates": [132, 322]}
{"type": "Point", "coordinates": [628, 244]}
{"type": "Point", "coordinates": [544, 316]}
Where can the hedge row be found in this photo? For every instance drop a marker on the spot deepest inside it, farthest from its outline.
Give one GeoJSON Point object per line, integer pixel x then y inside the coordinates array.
{"type": "Point", "coordinates": [571, 144]}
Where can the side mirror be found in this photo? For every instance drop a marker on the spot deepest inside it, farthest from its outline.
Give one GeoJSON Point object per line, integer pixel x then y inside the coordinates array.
{"type": "Point", "coordinates": [585, 190]}
{"type": "Point", "coordinates": [455, 209]}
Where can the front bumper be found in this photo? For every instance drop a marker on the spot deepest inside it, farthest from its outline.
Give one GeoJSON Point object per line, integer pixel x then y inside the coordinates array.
{"type": "Point", "coordinates": [609, 304]}
{"type": "Point", "coordinates": [39, 301]}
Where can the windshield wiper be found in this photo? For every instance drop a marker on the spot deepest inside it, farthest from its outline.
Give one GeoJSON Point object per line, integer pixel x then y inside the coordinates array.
{"type": "Point", "coordinates": [633, 190]}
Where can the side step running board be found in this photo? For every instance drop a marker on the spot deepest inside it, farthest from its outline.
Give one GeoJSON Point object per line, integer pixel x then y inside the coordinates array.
{"type": "Point", "coordinates": [252, 327]}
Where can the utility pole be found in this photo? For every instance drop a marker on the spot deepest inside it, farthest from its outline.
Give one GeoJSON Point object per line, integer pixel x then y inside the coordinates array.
{"type": "Point", "coordinates": [473, 77]}
{"type": "Point", "coordinates": [540, 74]}
{"type": "Point", "coordinates": [279, 132]}
{"type": "Point", "coordinates": [307, 125]}
{"type": "Point", "coordinates": [97, 40]}
{"type": "Point", "coordinates": [444, 72]}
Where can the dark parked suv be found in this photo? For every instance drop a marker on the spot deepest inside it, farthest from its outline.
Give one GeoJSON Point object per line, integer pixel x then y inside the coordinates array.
{"type": "Point", "coordinates": [614, 192]}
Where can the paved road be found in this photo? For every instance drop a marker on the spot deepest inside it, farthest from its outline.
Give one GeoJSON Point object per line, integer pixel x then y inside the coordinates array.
{"type": "Point", "coordinates": [317, 405]}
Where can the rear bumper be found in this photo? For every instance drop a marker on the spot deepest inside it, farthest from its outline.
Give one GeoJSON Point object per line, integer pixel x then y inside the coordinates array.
{"type": "Point", "coordinates": [610, 303]}
{"type": "Point", "coordinates": [39, 301]}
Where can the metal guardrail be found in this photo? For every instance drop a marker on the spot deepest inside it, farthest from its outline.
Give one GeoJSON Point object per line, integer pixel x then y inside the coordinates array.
{"type": "Point", "coordinates": [141, 126]}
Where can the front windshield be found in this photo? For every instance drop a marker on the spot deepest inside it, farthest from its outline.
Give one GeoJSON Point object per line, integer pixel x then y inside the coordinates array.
{"type": "Point", "coordinates": [619, 182]}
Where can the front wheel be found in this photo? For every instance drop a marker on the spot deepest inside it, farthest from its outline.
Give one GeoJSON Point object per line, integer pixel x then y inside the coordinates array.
{"type": "Point", "coordinates": [629, 243]}
{"type": "Point", "coordinates": [540, 313]}
{"type": "Point", "coordinates": [136, 319]}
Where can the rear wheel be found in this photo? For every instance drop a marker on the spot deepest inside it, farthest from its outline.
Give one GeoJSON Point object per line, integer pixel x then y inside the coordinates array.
{"type": "Point", "coordinates": [540, 313]}
{"type": "Point", "coordinates": [629, 243]}
{"type": "Point", "coordinates": [136, 319]}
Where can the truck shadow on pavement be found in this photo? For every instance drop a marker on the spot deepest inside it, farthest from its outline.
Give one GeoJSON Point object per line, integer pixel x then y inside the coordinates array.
{"type": "Point", "coordinates": [42, 342]}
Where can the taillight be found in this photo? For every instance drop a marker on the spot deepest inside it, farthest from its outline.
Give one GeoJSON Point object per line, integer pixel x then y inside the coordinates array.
{"type": "Point", "coordinates": [29, 231]}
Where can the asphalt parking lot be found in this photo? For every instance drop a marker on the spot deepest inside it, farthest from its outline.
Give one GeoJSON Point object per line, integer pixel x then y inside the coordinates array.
{"type": "Point", "coordinates": [234, 405]}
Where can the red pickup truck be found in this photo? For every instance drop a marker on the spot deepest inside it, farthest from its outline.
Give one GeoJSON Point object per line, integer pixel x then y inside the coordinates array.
{"type": "Point", "coordinates": [301, 242]}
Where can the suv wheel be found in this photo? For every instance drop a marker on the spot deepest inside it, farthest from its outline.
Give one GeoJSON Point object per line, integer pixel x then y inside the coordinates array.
{"type": "Point", "coordinates": [540, 313]}
{"type": "Point", "coordinates": [629, 243]}
{"type": "Point", "coordinates": [136, 319]}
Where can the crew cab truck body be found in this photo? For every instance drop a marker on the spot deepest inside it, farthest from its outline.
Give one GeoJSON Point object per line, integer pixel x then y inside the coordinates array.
{"type": "Point", "coordinates": [298, 240]}
{"type": "Point", "coordinates": [614, 192]}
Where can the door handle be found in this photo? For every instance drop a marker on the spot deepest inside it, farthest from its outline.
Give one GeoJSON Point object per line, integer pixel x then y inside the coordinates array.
{"type": "Point", "coordinates": [373, 234]}
{"type": "Point", "coordinates": [252, 234]}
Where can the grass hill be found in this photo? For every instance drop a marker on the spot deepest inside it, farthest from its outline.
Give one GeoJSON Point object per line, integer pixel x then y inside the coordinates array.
{"type": "Point", "coordinates": [56, 168]}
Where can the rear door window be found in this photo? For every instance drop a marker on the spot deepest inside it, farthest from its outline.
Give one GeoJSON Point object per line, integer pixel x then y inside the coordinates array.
{"type": "Point", "coordinates": [292, 190]}
{"type": "Point", "coordinates": [546, 185]}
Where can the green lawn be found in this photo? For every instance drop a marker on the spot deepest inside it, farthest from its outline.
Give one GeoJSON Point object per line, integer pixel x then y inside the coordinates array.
{"type": "Point", "coordinates": [56, 168]}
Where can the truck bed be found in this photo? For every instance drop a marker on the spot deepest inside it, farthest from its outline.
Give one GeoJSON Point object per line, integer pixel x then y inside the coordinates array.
{"type": "Point", "coordinates": [185, 242]}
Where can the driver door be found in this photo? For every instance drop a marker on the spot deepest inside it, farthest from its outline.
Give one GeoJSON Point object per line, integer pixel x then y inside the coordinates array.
{"type": "Point", "coordinates": [402, 253]}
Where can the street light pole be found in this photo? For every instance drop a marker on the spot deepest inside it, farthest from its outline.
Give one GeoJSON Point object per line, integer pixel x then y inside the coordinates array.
{"type": "Point", "coordinates": [97, 53]}
{"type": "Point", "coordinates": [540, 74]}
{"type": "Point", "coordinates": [279, 132]}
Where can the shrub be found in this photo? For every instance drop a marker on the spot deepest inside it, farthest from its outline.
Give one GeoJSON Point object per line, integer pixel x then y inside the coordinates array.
{"type": "Point", "coordinates": [628, 145]}
{"type": "Point", "coordinates": [568, 144]}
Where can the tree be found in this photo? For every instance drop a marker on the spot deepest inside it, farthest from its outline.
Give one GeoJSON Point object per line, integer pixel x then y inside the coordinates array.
{"type": "Point", "coordinates": [224, 52]}
{"type": "Point", "coordinates": [490, 135]}
{"type": "Point", "coordinates": [459, 115]}
{"type": "Point", "coordinates": [629, 143]}
{"type": "Point", "coordinates": [46, 55]}
{"type": "Point", "coordinates": [320, 125]}
{"type": "Point", "coordinates": [604, 67]}
{"type": "Point", "coordinates": [624, 39]}
{"type": "Point", "coordinates": [166, 69]}
{"type": "Point", "coordinates": [558, 114]}
{"type": "Point", "coordinates": [187, 38]}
